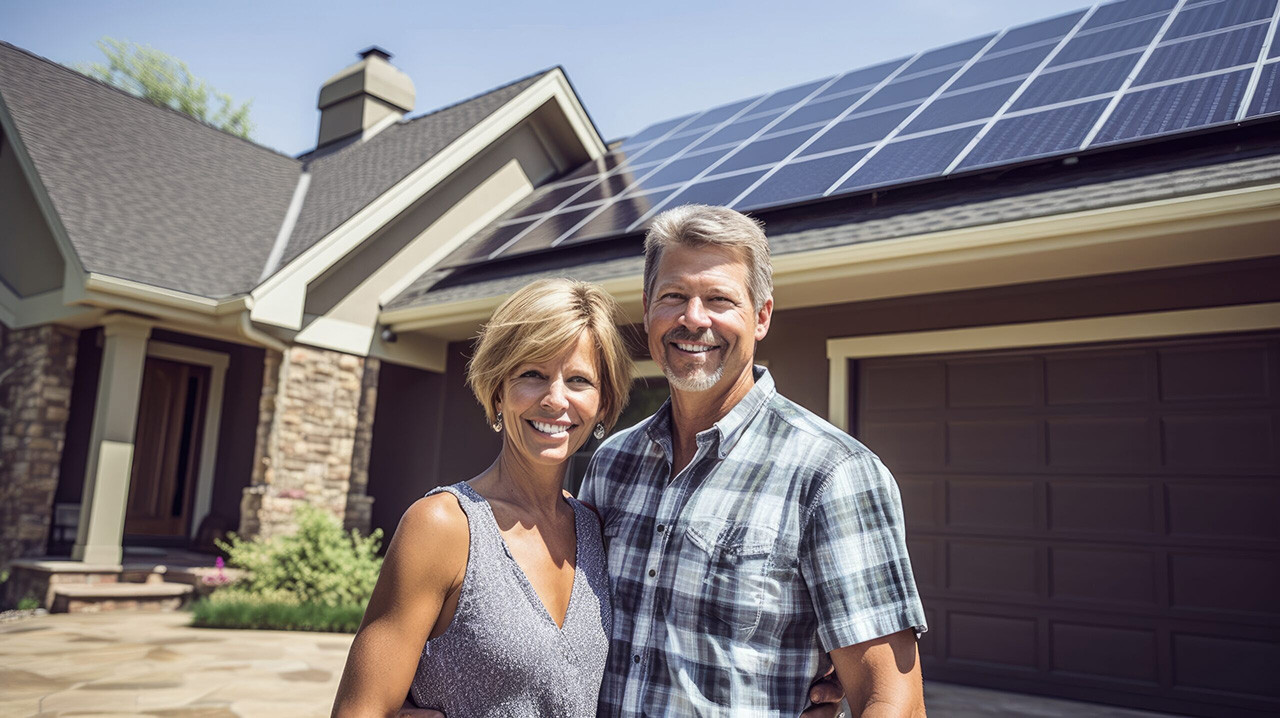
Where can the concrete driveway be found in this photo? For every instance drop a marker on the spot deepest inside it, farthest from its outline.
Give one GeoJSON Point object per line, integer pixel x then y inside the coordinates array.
{"type": "Point", "coordinates": [154, 664]}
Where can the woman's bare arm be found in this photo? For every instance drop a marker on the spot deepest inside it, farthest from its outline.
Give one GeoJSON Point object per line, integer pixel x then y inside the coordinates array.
{"type": "Point", "coordinates": [425, 564]}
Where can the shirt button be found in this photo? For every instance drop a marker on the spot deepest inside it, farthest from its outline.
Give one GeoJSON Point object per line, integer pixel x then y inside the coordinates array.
{"type": "Point", "coordinates": [635, 659]}
{"type": "Point", "coordinates": [661, 528]}
{"type": "Point", "coordinates": [652, 573]}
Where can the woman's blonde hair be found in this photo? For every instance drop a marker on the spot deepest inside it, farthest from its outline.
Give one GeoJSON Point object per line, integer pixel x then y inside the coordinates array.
{"type": "Point", "coordinates": [540, 322]}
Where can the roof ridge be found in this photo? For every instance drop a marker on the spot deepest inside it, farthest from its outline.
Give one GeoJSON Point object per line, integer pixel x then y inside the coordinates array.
{"type": "Point", "coordinates": [486, 93]}
{"type": "Point", "coordinates": [76, 73]}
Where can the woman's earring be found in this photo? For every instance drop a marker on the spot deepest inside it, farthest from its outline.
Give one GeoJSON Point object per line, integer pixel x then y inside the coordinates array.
{"type": "Point", "coordinates": [599, 431]}
{"type": "Point", "coordinates": [497, 424]}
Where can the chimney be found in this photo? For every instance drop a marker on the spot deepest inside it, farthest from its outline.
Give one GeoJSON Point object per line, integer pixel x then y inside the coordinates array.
{"type": "Point", "coordinates": [360, 97]}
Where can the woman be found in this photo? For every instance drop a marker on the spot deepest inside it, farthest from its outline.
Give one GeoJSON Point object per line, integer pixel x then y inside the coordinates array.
{"type": "Point", "coordinates": [503, 576]}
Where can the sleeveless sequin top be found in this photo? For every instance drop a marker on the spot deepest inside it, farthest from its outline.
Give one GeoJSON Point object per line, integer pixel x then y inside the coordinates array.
{"type": "Point", "coordinates": [503, 655]}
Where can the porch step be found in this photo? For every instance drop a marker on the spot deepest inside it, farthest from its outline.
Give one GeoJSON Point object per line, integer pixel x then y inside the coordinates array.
{"type": "Point", "coordinates": [100, 597]}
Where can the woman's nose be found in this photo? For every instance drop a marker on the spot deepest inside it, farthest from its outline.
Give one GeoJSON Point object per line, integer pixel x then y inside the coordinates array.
{"type": "Point", "coordinates": [554, 399]}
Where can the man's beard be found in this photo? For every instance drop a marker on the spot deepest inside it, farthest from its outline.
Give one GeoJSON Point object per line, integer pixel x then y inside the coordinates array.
{"type": "Point", "coordinates": [699, 378]}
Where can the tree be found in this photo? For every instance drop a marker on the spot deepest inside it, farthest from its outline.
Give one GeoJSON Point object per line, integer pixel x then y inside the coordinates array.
{"type": "Point", "coordinates": [167, 81]}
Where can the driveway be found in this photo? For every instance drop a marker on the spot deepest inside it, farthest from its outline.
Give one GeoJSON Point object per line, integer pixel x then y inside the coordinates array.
{"type": "Point", "coordinates": [154, 664]}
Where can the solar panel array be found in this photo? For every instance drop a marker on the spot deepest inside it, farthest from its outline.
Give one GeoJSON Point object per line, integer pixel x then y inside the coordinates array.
{"type": "Point", "coordinates": [1111, 74]}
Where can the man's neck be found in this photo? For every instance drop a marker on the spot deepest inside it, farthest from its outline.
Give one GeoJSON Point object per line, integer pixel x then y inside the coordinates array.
{"type": "Point", "coordinates": [693, 412]}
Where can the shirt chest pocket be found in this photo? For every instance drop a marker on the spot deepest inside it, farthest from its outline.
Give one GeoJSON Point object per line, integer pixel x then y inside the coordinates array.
{"type": "Point", "coordinates": [724, 578]}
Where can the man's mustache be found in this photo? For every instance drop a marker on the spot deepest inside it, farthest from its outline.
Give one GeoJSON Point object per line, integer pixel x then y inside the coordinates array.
{"type": "Point", "coordinates": [681, 334]}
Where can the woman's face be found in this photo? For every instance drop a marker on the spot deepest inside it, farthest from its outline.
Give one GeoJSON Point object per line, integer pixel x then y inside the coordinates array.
{"type": "Point", "coordinates": [550, 408]}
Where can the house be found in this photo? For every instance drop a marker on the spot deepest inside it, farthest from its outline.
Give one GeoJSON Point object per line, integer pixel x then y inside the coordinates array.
{"type": "Point", "coordinates": [1036, 271]}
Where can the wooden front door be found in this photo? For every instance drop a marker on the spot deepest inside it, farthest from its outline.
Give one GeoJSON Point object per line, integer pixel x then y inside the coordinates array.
{"type": "Point", "coordinates": [166, 456]}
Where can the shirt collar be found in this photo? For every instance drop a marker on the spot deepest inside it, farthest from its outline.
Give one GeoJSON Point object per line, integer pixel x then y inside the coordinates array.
{"type": "Point", "coordinates": [729, 429]}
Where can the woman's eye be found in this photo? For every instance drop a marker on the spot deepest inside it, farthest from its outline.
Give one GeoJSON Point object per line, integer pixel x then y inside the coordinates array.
{"type": "Point", "coordinates": [532, 373]}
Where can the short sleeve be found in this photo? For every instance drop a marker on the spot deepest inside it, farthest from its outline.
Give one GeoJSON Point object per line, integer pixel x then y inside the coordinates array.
{"type": "Point", "coordinates": [853, 556]}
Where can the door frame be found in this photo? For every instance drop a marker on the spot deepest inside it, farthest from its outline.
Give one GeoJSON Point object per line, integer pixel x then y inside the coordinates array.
{"type": "Point", "coordinates": [1148, 325]}
{"type": "Point", "coordinates": [217, 363]}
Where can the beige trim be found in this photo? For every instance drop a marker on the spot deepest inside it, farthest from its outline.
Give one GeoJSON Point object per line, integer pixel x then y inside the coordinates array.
{"type": "Point", "coordinates": [1216, 320]}
{"type": "Point", "coordinates": [217, 363]}
{"type": "Point", "coordinates": [281, 298]}
{"type": "Point", "coordinates": [649, 369]}
{"type": "Point", "coordinates": [1200, 229]}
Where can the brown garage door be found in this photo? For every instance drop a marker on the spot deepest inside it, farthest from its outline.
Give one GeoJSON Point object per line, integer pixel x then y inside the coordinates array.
{"type": "Point", "coordinates": [1101, 522]}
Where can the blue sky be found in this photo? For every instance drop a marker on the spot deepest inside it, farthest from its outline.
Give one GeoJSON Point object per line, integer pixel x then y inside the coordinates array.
{"type": "Point", "coordinates": [632, 63]}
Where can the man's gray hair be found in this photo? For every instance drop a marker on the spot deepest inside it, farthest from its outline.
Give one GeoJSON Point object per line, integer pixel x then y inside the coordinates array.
{"type": "Point", "coordinates": [700, 225]}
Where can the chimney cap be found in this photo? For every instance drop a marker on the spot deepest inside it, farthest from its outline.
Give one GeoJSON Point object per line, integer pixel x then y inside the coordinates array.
{"type": "Point", "coordinates": [374, 50]}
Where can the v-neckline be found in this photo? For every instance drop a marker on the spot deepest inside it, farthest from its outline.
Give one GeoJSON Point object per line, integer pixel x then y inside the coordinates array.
{"type": "Point", "coordinates": [531, 593]}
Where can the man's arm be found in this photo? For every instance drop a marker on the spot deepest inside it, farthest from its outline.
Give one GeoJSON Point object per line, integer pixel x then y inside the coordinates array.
{"type": "Point", "coordinates": [881, 677]}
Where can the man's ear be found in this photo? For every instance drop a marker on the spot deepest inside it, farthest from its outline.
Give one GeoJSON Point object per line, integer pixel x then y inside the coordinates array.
{"type": "Point", "coordinates": [644, 302]}
{"type": "Point", "coordinates": [763, 317]}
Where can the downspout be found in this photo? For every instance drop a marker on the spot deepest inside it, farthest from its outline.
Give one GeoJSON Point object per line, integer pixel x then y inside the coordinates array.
{"type": "Point", "coordinates": [248, 331]}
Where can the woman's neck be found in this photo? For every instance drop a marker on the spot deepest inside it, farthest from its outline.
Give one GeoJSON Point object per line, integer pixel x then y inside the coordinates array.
{"type": "Point", "coordinates": [515, 480]}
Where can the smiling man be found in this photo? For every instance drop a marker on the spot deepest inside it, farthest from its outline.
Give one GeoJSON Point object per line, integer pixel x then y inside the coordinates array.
{"type": "Point", "coordinates": [751, 544]}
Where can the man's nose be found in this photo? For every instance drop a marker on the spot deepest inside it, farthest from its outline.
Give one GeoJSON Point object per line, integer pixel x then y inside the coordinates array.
{"type": "Point", "coordinates": [695, 315]}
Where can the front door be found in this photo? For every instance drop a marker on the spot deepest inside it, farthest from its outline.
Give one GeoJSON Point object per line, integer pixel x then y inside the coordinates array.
{"type": "Point", "coordinates": [167, 448]}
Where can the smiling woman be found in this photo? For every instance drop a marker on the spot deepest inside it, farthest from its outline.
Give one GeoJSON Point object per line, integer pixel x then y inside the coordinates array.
{"type": "Point", "coordinates": [493, 598]}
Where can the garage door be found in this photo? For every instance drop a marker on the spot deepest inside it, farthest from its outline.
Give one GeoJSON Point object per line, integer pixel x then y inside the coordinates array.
{"type": "Point", "coordinates": [1100, 522]}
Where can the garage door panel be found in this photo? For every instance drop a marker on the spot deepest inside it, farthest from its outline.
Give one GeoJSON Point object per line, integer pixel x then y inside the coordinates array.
{"type": "Point", "coordinates": [1101, 443]}
{"type": "Point", "coordinates": [994, 383]}
{"type": "Point", "coordinates": [1104, 575]}
{"type": "Point", "coordinates": [1097, 522]}
{"type": "Point", "coordinates": [1108, 653]}
{"type": "Point", "coordinates": [908, 445]}
{"type": "Point", "coordinates": [1224, 509]}
{"type": "Point", "coordinates": [999, 504]}
{"type": "Point", "coordinates": [913, 385]}
{"type": "Point", "coordinates": [1241, 666]}
{"type": "Point", "coordinates": [1113, 506]}
{"type": "Point", "coordinates": [1240, 371]}
{"type": "Point", "coordinates": [1000, 640]}
{"type": "Point", "coordinates": [1226, 582]}
{"type": "Point", "coordinates": [1005, 446]}
{"type": "Point", "coordinates": [992, 568]}
{"type": "Point", "coordinates": [1093, 378]}
{"type": "Point", "coordinates": [1221, 441]}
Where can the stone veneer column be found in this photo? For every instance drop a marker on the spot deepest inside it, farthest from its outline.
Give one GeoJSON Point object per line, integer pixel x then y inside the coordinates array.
{"type": "Point", "coordinates": [36, 368]}
{"type": "Point", "coordinates": [359, 513]}
{"type": "Point", "coordinates": [309, 414]}
{"type": "Point", "coordinates": [109, 464]}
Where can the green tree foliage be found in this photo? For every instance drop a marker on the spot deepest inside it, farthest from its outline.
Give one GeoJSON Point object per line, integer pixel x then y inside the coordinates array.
{"type": "Point", "coordinates": [167, 81]}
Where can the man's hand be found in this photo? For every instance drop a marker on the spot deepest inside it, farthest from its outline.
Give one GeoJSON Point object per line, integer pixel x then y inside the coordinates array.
{"type": "Point", "coordinates": [826, 694]}
{"type": "Point", "coordinates": [409, 710]}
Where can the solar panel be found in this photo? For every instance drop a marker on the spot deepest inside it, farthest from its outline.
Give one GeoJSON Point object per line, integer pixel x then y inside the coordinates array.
{"type": "Point", "coordinates": [1114, 73]}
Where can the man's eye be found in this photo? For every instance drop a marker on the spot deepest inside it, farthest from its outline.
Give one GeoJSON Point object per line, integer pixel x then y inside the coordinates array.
{"type": "Point", "coordinates": [672, 295]}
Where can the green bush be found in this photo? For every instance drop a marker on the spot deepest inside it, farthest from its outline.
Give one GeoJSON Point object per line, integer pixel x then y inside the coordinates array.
{"type": "Point", "coordinates": [320, 564]}
{"type": "Point", "coordinates": [233, 608]}
{"type": "Point", "coordinates": [29, 603]}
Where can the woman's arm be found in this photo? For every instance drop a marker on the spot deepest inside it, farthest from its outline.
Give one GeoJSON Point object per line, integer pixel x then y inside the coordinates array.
{"type": "Point", "coordinates": [424, 566]}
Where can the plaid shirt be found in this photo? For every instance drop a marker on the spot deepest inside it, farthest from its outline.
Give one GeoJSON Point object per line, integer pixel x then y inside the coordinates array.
{"type": "Point", "coordinates": [780, 541]}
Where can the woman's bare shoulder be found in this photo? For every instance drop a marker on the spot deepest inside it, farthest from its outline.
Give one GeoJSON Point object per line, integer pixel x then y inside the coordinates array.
{"type": "Point", "coordinates": [432, 538]}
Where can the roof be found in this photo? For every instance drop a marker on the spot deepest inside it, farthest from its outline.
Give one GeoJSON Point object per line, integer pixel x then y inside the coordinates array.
{"type": "Point", "coordinates": [152, 195]}
{"type": "Point", "coordinates": [345, 181]}
{"type": "Point", "coordinates": [144, 192]}
{"type": "Point", "coordinates": [927, 210]}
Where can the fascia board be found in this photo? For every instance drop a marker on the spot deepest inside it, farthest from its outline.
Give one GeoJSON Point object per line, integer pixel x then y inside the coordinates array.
{"type": "Point", "coordinates": [280, 299]}
{"type": "Point", "coordinates": [1100, 227]}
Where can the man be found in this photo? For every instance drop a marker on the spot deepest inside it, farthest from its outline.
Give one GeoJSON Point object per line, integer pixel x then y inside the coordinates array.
{"type": "Point", "coordinates": [751, 544]}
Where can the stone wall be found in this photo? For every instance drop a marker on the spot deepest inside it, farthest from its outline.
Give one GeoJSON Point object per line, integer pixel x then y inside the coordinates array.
{"type": "Point", "coordinates": [359, 514]}
{"type": "Point", "coordinates": [36, 369]}
{"type": "Point", "coordinates": [313, 401]}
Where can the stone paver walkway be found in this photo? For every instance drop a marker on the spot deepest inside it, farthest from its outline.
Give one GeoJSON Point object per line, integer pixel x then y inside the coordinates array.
{"type": "Point", "coordinates": [154, 664]}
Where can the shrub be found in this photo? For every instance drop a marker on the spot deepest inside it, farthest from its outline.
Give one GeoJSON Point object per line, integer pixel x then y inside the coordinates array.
{"type": "Point", "coordinates": [320, 564]}
{"type": "Point", "coordinates": [234, 608]}
{"type": "Point", "coordinates": [29, 603]}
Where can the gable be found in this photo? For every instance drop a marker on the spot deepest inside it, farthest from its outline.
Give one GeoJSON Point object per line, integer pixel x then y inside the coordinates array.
{"type": "Point", "coordinates": [30, 262]}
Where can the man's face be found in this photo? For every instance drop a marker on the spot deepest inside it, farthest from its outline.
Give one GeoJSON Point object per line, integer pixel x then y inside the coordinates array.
{"type": "Point", "coordinates": [700, 320]}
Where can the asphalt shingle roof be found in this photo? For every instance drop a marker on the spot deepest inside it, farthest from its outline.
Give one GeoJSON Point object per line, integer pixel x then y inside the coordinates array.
{"type": "Point", "coordinates": [144, 192]}
{"type": "Point", "coordinates": [345, 181]}
{"type": "Point", "coordinates": [888, 221]}
{"type": "Point", "coordinates": [151, 195]}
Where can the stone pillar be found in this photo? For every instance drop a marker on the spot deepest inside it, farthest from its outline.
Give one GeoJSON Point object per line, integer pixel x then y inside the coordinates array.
{"type": "Point", "coordinates": [359, 513]}
{"type": "Point", "coordinates": [110, 460]}
{"type": "Point", "coordinates": [36, 369]}
{"type": "Point", "coordinates": [308, 417]}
